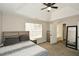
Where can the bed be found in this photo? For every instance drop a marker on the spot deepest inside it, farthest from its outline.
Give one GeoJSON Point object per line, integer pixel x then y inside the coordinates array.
{"type": "Point", "coordinates": [23, 48]}
{"type": "Point", "coordinates": [26, 48]}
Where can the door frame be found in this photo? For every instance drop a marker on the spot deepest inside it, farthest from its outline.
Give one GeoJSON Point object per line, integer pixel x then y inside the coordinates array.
{"type": "Point", "coordinates": [64, 29]}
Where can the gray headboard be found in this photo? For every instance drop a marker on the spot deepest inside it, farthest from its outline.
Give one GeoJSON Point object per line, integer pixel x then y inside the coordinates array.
{"type": "Point", "coordinates": [13, 37]}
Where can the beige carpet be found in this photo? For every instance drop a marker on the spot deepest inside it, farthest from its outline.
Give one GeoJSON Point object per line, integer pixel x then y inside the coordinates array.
{"type": "Point", "coordinates": [59, 50]}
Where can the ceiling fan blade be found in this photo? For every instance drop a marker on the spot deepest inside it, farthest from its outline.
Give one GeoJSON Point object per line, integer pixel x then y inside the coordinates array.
{"type": "Point", "coordinates": [53, 3]}
{"type": "Point", "coordinates": [54, 7]}
{"type": "Point", "coordinates": [45, 4]}
{"type": "Point", "coordinates": [44, 8]}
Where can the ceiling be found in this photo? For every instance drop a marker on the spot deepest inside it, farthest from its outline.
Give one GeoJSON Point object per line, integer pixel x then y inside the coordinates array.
{"type": "Point", "coordinates": [33, 10]}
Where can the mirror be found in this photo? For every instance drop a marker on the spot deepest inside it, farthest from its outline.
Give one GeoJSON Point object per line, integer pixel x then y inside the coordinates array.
{"type": "Point", "coordinates": [71, 40]}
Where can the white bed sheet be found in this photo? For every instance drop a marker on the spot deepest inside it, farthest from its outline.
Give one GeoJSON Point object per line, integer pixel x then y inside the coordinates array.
{"type": "Point", "coordinates": [27, 48]}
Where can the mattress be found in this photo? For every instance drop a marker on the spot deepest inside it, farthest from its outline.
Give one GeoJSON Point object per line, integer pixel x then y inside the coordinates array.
{"type": "Point", "coordinates": [26, 48]}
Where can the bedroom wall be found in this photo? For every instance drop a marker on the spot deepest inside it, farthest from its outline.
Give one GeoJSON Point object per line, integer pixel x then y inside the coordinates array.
{"type": "Point", "coordinates": [72, 20]}
{"type": "Point", "coordinates": [15, 22]}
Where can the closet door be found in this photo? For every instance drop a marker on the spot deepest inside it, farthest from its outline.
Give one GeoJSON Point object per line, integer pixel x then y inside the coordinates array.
{"type": "Point", "coordinates": [71, 40]}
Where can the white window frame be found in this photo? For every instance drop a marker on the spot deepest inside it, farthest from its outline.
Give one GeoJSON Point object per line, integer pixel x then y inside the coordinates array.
{"type": "Point", "coordinates": [33, 36]}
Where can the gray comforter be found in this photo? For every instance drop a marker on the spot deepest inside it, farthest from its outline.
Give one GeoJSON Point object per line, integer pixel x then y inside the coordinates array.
{"type": "Point", "coordinates": [27, 48]}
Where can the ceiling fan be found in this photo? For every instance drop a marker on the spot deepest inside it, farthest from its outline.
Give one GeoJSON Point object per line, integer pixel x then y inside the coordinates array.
{"type": "Point", "coordinates": [49, 6]}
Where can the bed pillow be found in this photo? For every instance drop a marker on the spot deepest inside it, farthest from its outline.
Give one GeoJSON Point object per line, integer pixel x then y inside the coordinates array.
{"type": "Point", "coordinates": [24, 38]}
{"type": "Point", "coordinates": [11, 41]}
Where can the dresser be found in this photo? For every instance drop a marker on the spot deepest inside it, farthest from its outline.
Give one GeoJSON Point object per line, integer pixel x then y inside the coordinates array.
{"type": "Point", "coordinates": [48, 36]}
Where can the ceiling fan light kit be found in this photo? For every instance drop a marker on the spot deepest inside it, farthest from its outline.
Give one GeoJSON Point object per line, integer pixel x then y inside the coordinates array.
{"type": "Point", "coordinates": [49, 8]}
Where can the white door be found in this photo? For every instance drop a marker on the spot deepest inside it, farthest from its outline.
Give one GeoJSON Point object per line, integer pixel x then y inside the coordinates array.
{"type": "Point", "coordinates": [53, 33]}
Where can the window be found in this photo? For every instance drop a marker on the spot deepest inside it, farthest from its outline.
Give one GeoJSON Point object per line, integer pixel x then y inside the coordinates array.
{"type": "Point", "coordinates": [34, 29]}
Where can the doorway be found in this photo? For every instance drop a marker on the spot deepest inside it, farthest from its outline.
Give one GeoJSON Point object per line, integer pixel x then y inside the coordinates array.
{"type": "Point", "coordinates": [59, 33]}
{"type": "Point", "coordinates": [64, 33]}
